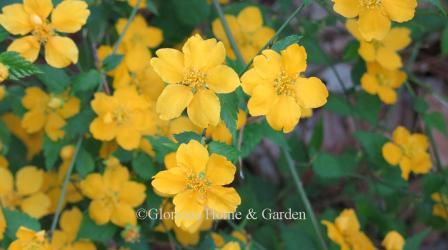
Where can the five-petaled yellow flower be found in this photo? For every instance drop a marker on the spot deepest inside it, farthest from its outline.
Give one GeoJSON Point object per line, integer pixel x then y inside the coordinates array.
{"type": "Point", "coordinates": [375, 16]}
{"type": "Point", "coordinates": [113, 195]}
{"type": "Point", "coordinates": [31, 18]}
{"type": "Point", "coordinates": [409, 151]}
{"type": "Point", "coordinates": [385, 51]}
{"type": "Point", "coordinates": [66, 237]}
{"type": "Point", "coordinates": [346, 232]}
{"type": "Point", "coordinates": [393, 241]}
{"type": "Point", "coordinates": [122, 116]}
{"type": "Point", "coordinates": [26, 194]}
{"type": "Point", "coordinates": [196, 183]}
{"type": "Point", "coordinates": [29, 239]}
{"type": "Point", "coordinates": [48, 112]}
{"type": "Point", "coordinates": [382, 82]}
{"type": "Point", "coordinates": [247, 29]}
{"type": "Point", "coordinates": [277, 89]}
{"type": "Point", "coordinates": [194, 76]}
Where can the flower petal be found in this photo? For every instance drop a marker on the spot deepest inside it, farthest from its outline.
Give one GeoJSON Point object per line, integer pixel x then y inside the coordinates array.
{"type": "Point", "coordinates": [173, 100]}
{"type": "Point", "coordinates": [100, 211]}
{"type": "Point", "coordinates": [268, 65]}
{"type": "Point", "coordinates": [188, 209]}
{"type": "Point", "coordinates": [400, 11]}
{"type": "Point", "coordinates": [123, 215]}
{"type": "Point", "coordinates": [203, 54]}
{"type": "Point", "coordinates": [169, 65]}
{"type": "Point", "coordinates": [6, 182]}
{"type": "Point", "coordinates": [392, 153]}
{"type": "Point", "coordinates": [15, 20]}
{"type": "Point", "coordinates": [93, 186]}
{"type": "Point", "coordinates": [103, 131]}
{"type": "Point", "coordinates": [128, 137]}
{"type": "Point", "coordinates": [61, 52]}
{"type": "Point", "coordinates": [387, 95]}
{"type": "Point", "coordinates": [389, 59]}
{"type": "Point", "coordinates": [133, 193]}
{"type": "Point", "coordinates": [42, 8]}
{"type": "Point", "coordinates": [312, 92]}
{"type": "Point", "coordinates": [284, 114]}
{"type": "Point", "coordinates": [250, 80]}
{"type": "Point", "coordinates": [54, 125]}
{"type": "Point", "coordinates": [223, 199]}
{"type": "Point", "coordinates": [192, 155]}
{"type": "Point", "coordinates": [250, 19]}
{"type": "Point", "coordinates": [294, 59]}
{"type": "Point", "coordinates": [170, 182]}
{"type": "Point", "coordinates": [367, 51]}
{"type": "Point", "coordinates": [204, 109]}
{"type": "Point", "coordinates": [29, 180]}
{"type": "Point", "coordinates": [33, 121]}
{"type": "Point", "coordinates": [262, 99]}
{"type": "Point", "coordinates": [401, 135]}
{"type": "Point", "coordinates": [222, 79]}
{"type": "Point", "coordinates": [369, 83]}
{"type": "Point", "coordinates": [70, 16]}
{"type": "Point", "coordinates": [28, 47]}
{"type": "Point", "coordinates": [36, 205]}
{"type": "Point", "coordinates": [347, 8]}
{"type": "Point", "coordinates": [220, 171]}
{"type": "Point", "coordinates": [373, 24]}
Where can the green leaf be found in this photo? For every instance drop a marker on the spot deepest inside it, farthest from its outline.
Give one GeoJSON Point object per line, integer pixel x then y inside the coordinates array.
{"type": "Point", "coordinates": [192, 12]}
{"type": "Point", "coordinates": [162, 146]}
{"type": "Point", "coordinates": [328, 166]}
{"type": "Point", "coordinates": [367, 107]}
{"type": "Point", "coordinates": [230, 152]}
{"type": "Point", "coordinates": [143, 166]}
{"type": "Point", "coordinates": [90, 230]}
{"type": "Point", "coordinates": [420, 105]}
{"type": "Point", "coordinates": [436, 120]}
{"type": "Point", "coordinates": [84, 163]}
{"type": "Point", "coordinates": [285, 42]}
{"type": "Point", "coordinates": [15, 219]}
{"type": "Point", "coordinates": [185, 137]}
{"type": "Point", "coordinates": [414, 242]}
{"type": "Point", "coordinates": [51, 151]}
{"type": "Point", "coordinates": [56, 80]}
{"type": "Point", "coordinates": [351, 51]}
{"type": "Point", "coordinates": [338, 104]}
{"type": "Point", "coordinates": [111, 62]}
{"type": "Point", "coordinates": [229, 111]}
{"type": "Point", "coordinates": [3, 34]}
{"type": "Point", "coordinates": [438, 4]}
{"type": "Point", "coordinates": [79, 124]}
{"type": "Point", "coordinates": [317, 137]}
{"type": "Point", "coordinates": [86, 81]}
{"type": "Point", "coordinates": [373, 144]}
{"type": "Point", "coordinates": [18, 66]}
{"type": "Point", "coordinates": [444, 41]}
{"type": "Point", "coordinates": [152, 7]}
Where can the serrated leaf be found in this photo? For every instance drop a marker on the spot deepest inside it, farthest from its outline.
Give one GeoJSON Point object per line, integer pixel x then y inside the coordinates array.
{"type": "Point", "coordinates": [285, 42]}
{"type": "Point", "coordinates": [185, 137]}
{"type": "Point", "coordinates": [86, 81]}
{"type": "Point", "coordinates": [228, 151]}
{"type": "Point", "coordinates": [90, 230]}
{"type": "Point", "coordinates": [84, 163]}
{"type": "Point", "coordinates": [51, 151]}
{"type": "Point", "coordinates": [436, 120]}
{"type": "Point", "coordinates": [15, 219]}
{"type": "Point", "coordinates": [18, 66]}
{"type": "Point", "coordinates": [229, 111]}
{"type": "Point", "coordinates": [112, 61]}
{"type": "Point", "coordinates": [143, 166]}
{"type": "Point", "coordinates": [56, 80]}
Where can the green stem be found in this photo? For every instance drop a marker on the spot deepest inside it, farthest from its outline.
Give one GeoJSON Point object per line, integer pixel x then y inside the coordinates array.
{"type": "Point", "coordinates": [228, 32]}
{"type": "Point", "coordinates": [61, 200]}
{"type": "Point", "coordinates": [304, 197]}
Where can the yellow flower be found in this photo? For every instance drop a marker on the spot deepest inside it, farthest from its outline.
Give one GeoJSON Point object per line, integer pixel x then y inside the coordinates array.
{"type": "Point", "coordinates": [4, 72]}
{"type": "Point", "coordinates": [185, 238]}
{"type": "Point", "coordinates": [375, 16]}
{"type": "Point", "coordinates": [409, 151]}
{"type": "Point", "coordinates": [113, 195]}
{"type": "Point", "coordinates": [393, 241]}
{"type": "Point", "coordinates": [54, 181]}
{"type": "Point", "coordinates": [441, 207]}
{"type": "Point", "coordinates": [133, 3]}
{"type": "Point", "coordinates": [122, 116]}
{"type": "Point", "coordinates": [29, 239]}
{"type": "Point", "coordinates": [382, 82]}
{"type": "Point", "coordinates": [2, 223]}
{"type": "Point", "coordinates": [384, 51]}
{"type": "Point", "coordinates": [66, 237]}
{"type": "Point", "coordinates": [33, 142]}
{"type": "Point", "coordinates": [194, 76]}
{"type": "Point", "coordinates": [232, 245]}
{"type": "Point", "coordinates": [31, 18]}
{"type": "Point", "coordinates": [247, 29]}
{"type": "Point", "coordinates": [278, 91]}
{"type": "Point", "coordinates": [139, 34]}
{"type": "Point", "coordinates": [3, 162]}
{"type": "Point", "coordinates": [26, 194]}
{"type": "Point", "coordinates": [346, 232]}
{"type": "Point", "coordinates": [48, 112]}
{"type": "Point", "coordinates": [196, 183]}
{"type": "Point", "coordinates": [222, 133]}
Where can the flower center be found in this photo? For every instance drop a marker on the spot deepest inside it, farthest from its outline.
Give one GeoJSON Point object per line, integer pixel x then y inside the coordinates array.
{"type": "Point", "coordinates": [194, 78]}
{"type": "Point", "coordinates": [118, 116]}
{"type": "Point", "coordinates": [198, 182]}
{"type": "Point", "coordinates": [55, 102]}
{"type": "Point", "coordinates": [408, 150]}
{"type": "Point", "coordinates": [370, 4]}
{"type": "Point", "coordinates": [10, 201]}
{"type": "Point", "coordinates": [383, 80]}
{"type": "Point", "coordinates": [42, 30]}
{"type": "Point", "coordinates": [284, 85]}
